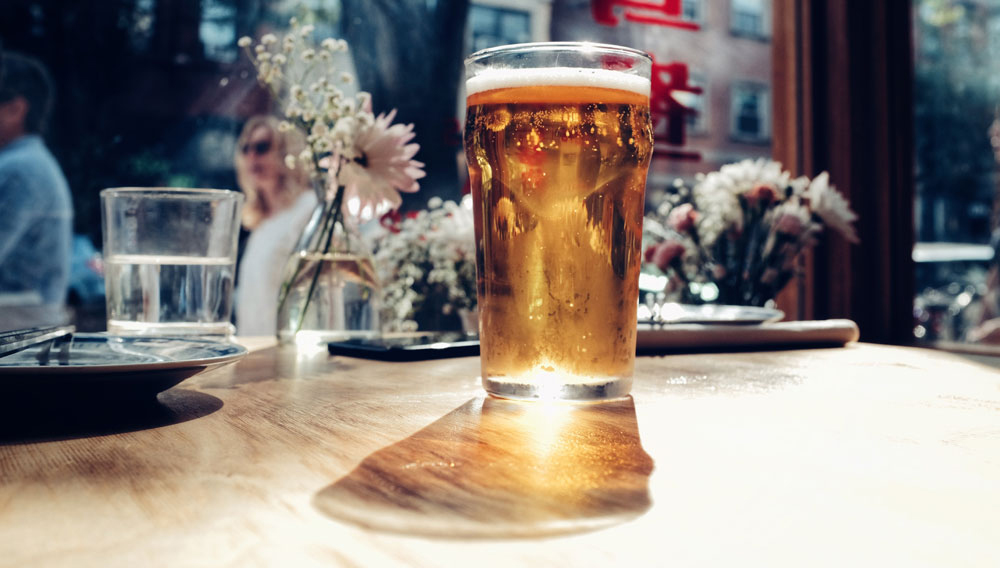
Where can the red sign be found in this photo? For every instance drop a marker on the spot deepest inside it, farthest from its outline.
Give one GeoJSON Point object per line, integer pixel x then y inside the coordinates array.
{"type": "Point", "coordinates": [665, 13]}
{"type": "Point", "coordinates": [668, 78]}
{"type": "Point", "coordinates": [665, 107]}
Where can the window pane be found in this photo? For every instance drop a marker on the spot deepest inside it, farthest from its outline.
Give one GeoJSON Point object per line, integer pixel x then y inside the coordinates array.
{"type": "Point", "coordinates": [957, 140]}
{"type": "Point", "coordinates": [750, 112]}
{"type": "Point", "coordinates": [218, 30]}
{"type": "Point", "coordinates": [691, 10]}
{"type": "Point", "coordinates": [161, 91]}
{"type": "Point", "coordinates": [748, 17]}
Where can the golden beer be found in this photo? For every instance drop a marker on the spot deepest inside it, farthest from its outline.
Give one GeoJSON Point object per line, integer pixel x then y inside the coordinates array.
{"type": "Point", "coordinates": [558, 174]}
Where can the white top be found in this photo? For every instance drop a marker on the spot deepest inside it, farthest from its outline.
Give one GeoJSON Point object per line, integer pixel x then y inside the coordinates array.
{"type": "Point", "coordinates": [490, 79]}
{"type": "Point", "coordinates": [263, 266]}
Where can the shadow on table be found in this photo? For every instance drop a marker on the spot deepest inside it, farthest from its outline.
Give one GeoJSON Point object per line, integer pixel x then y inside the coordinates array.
{"type": "Point", "coordinates": [495, 468]}
{"type": "Point", "coordinates": [63, 418]}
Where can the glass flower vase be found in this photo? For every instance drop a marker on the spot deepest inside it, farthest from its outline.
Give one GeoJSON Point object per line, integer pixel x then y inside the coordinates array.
{"type": "Point", "coordinates": [330, 289]}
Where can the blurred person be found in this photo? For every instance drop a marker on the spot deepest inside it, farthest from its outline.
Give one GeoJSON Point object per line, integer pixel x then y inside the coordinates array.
{"type": "Point", "coordinates": [36, 223]}
{"type": "Point", "coordinates": [278, 204]}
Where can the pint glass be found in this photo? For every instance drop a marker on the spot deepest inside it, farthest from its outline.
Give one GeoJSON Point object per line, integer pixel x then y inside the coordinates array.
{"type": "Point", "coordinates": [558, 141]}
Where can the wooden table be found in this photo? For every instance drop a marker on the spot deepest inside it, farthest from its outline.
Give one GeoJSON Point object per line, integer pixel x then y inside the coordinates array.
{"type": "Point", "coordinates": [866, 455]}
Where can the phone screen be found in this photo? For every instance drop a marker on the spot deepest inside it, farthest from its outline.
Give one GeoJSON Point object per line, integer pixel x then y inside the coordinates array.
{"type": "Point", "coordinates": [408, 348]}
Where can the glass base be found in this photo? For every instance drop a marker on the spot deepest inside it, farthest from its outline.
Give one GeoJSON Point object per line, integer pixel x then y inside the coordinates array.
{"type": "Point", "coordinates": [309, 337]}
{"type": "Point", "coordinates": [209, 330]}
{"type": "Point", "coordinates": [593, 390]}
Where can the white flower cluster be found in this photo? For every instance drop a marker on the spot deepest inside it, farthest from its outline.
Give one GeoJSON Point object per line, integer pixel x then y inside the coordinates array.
{"type": "Point", "coordinates": [358, 162]}
{"type": "Point", "coordinates": [432, 253]}
{"type": "Point", "coordinates": [718, 194]}
{"type": "Point", "coordinates": [739, 231]}
{"type": "Point", "coordinates": [306, 77]}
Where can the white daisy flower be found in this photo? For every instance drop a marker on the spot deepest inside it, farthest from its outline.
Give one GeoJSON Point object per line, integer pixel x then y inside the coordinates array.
{"type": "Point", "coordinates": [831, 207]}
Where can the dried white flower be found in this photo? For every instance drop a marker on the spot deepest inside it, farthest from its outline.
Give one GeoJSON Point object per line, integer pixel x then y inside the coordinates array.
{"type": "Point", "coordinates": [428, 256]}
{"type": "Point", "coordinates": [344, 130]}
{"type": "Point", "coordinates": [264, 71]}
{"type": "Point", "coordinates": [364, 101]}
{"type": "Point", "coordinates": [352, 156]}
{"type": "Point", "coordinates": [322, 145]}
{"type": "Point", "coordinates": [244, 42]}
{"type": "Point", "coordinates": [320, 129]}
{"type": "Point", "coordinates": [831, 206]}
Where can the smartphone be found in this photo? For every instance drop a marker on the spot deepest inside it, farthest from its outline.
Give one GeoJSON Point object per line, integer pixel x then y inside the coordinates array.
{"type": "Point", "coordinates": [408, 348]}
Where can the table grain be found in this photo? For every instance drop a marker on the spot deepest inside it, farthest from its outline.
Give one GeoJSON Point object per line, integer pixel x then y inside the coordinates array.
{"type": "Point", "coordinates": [860, 455]}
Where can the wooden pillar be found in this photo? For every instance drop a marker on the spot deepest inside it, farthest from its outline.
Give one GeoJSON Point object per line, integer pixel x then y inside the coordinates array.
{"type": "Point", "coordinates": [843, 100]}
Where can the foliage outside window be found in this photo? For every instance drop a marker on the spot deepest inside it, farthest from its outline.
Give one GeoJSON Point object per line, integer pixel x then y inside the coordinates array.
{"type": "Point", "coordinates": [956, 147]}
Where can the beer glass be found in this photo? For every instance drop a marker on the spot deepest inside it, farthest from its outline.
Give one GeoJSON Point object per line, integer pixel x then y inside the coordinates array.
{"type": "Point", "coordinates": [558, 140]}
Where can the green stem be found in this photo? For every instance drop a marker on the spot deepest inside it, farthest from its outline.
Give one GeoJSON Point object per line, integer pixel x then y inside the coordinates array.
{"type": "Point", "coordinates": [330, 226]}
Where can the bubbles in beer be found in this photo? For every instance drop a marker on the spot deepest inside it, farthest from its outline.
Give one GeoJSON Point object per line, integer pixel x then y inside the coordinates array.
{"type": "Point", "coordinates": [558, 173]}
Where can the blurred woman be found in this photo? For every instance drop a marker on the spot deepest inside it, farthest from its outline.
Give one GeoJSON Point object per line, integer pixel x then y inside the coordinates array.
{"type": "Point", "coordinates": [278, 204]}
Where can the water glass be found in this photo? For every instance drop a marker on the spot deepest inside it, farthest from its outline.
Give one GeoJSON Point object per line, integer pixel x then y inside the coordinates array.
{"type": "Point", "coordinates": [170, 259]}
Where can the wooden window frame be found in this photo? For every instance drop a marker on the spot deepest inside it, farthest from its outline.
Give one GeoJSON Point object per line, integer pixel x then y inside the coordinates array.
{"type": "Point", "coordinates": [842, 102]}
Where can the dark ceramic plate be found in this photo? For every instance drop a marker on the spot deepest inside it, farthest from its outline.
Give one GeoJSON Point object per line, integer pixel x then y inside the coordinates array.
{"type": "Point", "coordinates": [113, 366]}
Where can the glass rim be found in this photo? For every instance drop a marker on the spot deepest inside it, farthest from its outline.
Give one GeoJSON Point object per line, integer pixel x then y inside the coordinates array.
{"type": "Point", "coordinates": [557, 46]}
{"type": "Point", "coordinates": [170, 192]}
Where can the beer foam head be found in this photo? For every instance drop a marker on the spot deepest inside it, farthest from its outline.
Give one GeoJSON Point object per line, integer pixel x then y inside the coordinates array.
{"type": "Point", "coordinates": [491, 79]}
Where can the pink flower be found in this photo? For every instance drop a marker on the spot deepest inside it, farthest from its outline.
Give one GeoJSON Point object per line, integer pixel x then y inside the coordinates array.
{"type": "Point", "coordinates": [832, 207]}
{"type": "Point", "coordinates": [662, 254]}
{"type": "Point", "coordinates": [682, 218]}
{"type": "Point", "coordinates": [764, 193]}
{"type": "Point", "coordinates": [382, 166]}
{"type": "Point", "coordinates": [790, 224]}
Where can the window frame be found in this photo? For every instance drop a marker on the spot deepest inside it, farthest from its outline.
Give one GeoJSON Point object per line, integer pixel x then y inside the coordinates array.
{"type": "Point", "coordinates": [702, 125]}
{"type": "Point", "coordinates": [843, 103]}
{"type": "Point", "coordinates": [764, 108]}
{"type": "Point", "coordinates": [699, 9]}
{"type": "Point", "coordinates": [764, 16]}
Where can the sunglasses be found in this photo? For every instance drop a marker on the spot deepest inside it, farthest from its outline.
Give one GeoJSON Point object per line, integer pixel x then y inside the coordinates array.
{"type": "Point", "coordinates": [259, 148]}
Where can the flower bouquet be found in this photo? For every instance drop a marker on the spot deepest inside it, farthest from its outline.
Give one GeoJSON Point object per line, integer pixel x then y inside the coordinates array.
{"type": "Point", "coordinates": [734, 237]}
{"type": "Point", "coordinates": [359, 162]}
{"type": "Point", "coordinates": [428, 262]}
